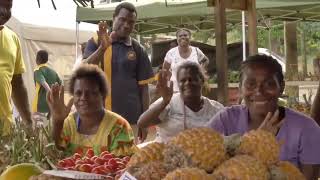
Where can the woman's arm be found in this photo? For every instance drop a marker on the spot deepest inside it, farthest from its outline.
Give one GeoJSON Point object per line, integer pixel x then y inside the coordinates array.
{"type": "Point", "coordinates": [151, 116]}
{"type": "Point", "coordinates": [59, 111]}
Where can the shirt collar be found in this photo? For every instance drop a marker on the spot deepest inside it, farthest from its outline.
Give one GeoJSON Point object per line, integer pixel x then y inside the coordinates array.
{"type": "Point", "coordinates": [127, 41]}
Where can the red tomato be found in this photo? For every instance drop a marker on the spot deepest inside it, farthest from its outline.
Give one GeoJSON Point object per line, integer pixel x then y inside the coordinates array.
{"type": "Point", "coordinates": [85, 168]}
{"type": "Point", "coordinates": [69, 162]}
{"type": "Point", "coordinates": [61, 164]}
{"type": "Point", "coordinates": [76, 156]}
{"type": "Point", "coordinates": [113, 164]}
{"type": "Point", "coordinates": [99, 161]}
{"type": "Point", "coordinates": [104, 153]}
{"type": "Point", "coordinates": [90, 153]}
{"type": "Point", "coordinates": [80, 161]}
{"type": "Point", "coordinates": [107, 156]}
{"type": "Point", "coordinates": [88, 160]}
{"type": "Point", "coordinates": [94, 158]}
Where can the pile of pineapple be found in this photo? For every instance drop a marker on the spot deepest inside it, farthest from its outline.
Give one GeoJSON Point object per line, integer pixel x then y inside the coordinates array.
{"type": "Point", "coordinates": [203, 154]}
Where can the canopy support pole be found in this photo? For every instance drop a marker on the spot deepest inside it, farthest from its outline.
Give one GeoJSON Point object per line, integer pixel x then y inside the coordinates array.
{"type": "Point", "coordinates": [221, 51]}
{"type": "Point", "coordinates": [77, 38]}
{"type": "Point", "coordinates": [252, 27]}
{"type": "Point", "coordinates": [291, 54]}
{"type": "Point", "coordinates": [244, 56]}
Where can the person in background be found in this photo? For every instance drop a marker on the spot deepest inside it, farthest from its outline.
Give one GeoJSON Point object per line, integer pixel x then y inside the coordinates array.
{"type": "Point", "coordinates": [44, 78]}
{"type": "Point", "coordinates": [91, 125]}
{"type": "Point", "coordinates": [183, 52]}
{"type": "Point", "coordinates": [261, 84]}
{"type": "Point", "coordinates": [11, 69]}
{"type": "Point", "coordinates": [125, 63]}
{"type": "Point", "coordinates": [175, 112]}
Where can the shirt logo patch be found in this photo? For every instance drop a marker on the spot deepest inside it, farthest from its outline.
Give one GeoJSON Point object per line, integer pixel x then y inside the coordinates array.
{"type": "Point", "coordinates": [132, 55]}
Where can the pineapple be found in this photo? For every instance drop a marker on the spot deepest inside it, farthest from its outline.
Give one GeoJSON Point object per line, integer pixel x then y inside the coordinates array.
{"type": "Point", "coordinates": [150, 171]}
{"type": "Point", "coordinates": [188, 174]}
{"type": "Point", "coordinates": [241, 167]}
{"type": "Point", "coordinates": [175, 157]}
{"type": "Point", "coordinates": [151, 152]}
{"type": "Point", "coordinates": [203, 145]}
{"type": "Point", "coordinates": [284, 170]}
{"type": "Point", "coordinates": [261, 145]}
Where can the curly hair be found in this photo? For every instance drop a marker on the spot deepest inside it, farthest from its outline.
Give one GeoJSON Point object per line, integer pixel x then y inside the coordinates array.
{"type": "Point", "coordinates": [265, 61]}
{"type": "Point", "coordinates": [126, 5]}
{"type": "Point", "coordinates": [183, 29]}
{"type": "Point", "coordinates": [92, 72]}
{"type": "Point", "coordinates": [194, 68]}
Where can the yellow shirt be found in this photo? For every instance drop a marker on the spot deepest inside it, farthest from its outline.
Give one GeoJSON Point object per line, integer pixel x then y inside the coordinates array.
{"type": "Point", "coordinates": [11, 63]}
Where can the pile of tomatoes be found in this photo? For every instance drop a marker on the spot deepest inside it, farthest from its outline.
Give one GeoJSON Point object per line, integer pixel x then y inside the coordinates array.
{"type": "Point", "coordinates": [106, 163]}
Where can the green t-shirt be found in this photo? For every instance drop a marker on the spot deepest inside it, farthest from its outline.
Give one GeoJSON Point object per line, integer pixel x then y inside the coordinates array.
{"type": "Point", "coordinates": [43, 74]}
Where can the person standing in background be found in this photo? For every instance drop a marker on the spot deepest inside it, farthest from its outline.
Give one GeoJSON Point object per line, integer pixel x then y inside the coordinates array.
{"type": "Point", "coordinates": [183, 52]}
{"type": "Point", "coordinates": [11, 69]}
{"type": "Point", "coordinates": [44, 78]}
{"type": "Point", "coordinates": [125, 63]}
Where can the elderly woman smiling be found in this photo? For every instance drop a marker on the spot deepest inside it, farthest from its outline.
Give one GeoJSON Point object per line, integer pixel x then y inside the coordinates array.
{"type": "Point", "coordinates": [91, 126]}
{"type": "Point", "coordinates": [173, 113]}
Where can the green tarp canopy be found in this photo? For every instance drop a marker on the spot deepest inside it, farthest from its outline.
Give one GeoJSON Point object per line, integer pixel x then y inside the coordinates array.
{"type": "Point", "coordinates": [156, 16]}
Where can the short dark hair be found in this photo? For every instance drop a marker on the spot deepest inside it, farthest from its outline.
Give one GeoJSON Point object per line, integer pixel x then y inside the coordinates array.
{"type": "Point", "coordinates": [126, 5]}
{"type": "Point", "coordinates": [183, 29]}
{"type": "Point", "coordinates": [42, 56]}
{"type": "Point", "coordinates": [265, 61]}
{"type": "Point", "coordinates": [194, 68]}
{"type": "Point", "coordinates": [92, 72]}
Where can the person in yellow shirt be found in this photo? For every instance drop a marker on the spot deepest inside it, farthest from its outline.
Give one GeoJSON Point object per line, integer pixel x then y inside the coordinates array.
{"type": "Point", "coordinates": [11, 69]}
{"type": "Point", "coordinates": [91, 125]}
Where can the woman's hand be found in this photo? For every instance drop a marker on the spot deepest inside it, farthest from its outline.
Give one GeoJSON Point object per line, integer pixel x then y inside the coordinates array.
{"type": "Point", "coordinates": [142, 134]}
{"type": "Point", "coordinates": [55, 99]}
{"type": "Point", "coordinates": [103, 35]}
{"type": "Point", "coordinates": [271, 123]}
{"type": "Point", "coordinates": [162, 86]}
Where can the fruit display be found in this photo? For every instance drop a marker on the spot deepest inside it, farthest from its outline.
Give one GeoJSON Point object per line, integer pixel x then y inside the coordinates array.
{"type": "Point", "coordinates": [105, 164]}
{"type": "Point", "coordinates": [242, 167]}
{"type": "Point", "coordinates": [261, 145]}
{"type": "Point", "coordinates": [151, 152]}
{"type": "Point", "coordinates": [203, 145]}
{"type": "Point", "coordinates": [21, 171]}
{"type": "Point", "coordinates": [149, 171]}
{"type": "Point", "coordinates": [287, 171]}
{"type": "Point", "coordinates": [188, 174]}
{"type": "Point", "coordinates": [203, 154]}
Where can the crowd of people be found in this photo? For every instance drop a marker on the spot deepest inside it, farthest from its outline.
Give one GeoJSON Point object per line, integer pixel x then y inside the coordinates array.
{"type": "Point", "coordinates": [110, 95]}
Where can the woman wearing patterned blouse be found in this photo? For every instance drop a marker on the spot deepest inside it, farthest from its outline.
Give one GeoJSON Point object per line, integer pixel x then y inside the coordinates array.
{"type": "Point", "coordinates": [91, 125]}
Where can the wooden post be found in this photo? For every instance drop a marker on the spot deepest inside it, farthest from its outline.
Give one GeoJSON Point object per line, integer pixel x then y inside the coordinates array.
{"type": "Point", "coordinates": [290, 37]}
{"type": "Point", "coordinates": [304, 53]}
{"type": "Point", "coordinates": [221, 51]}
{"type": "Point", "coordinates": [252, 27]}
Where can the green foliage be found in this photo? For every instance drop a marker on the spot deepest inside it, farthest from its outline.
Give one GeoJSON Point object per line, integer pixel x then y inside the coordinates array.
{"type": "Point", "coordinates": [34, 147]}
{"type": "Point", "coordinates": [233, 77]}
